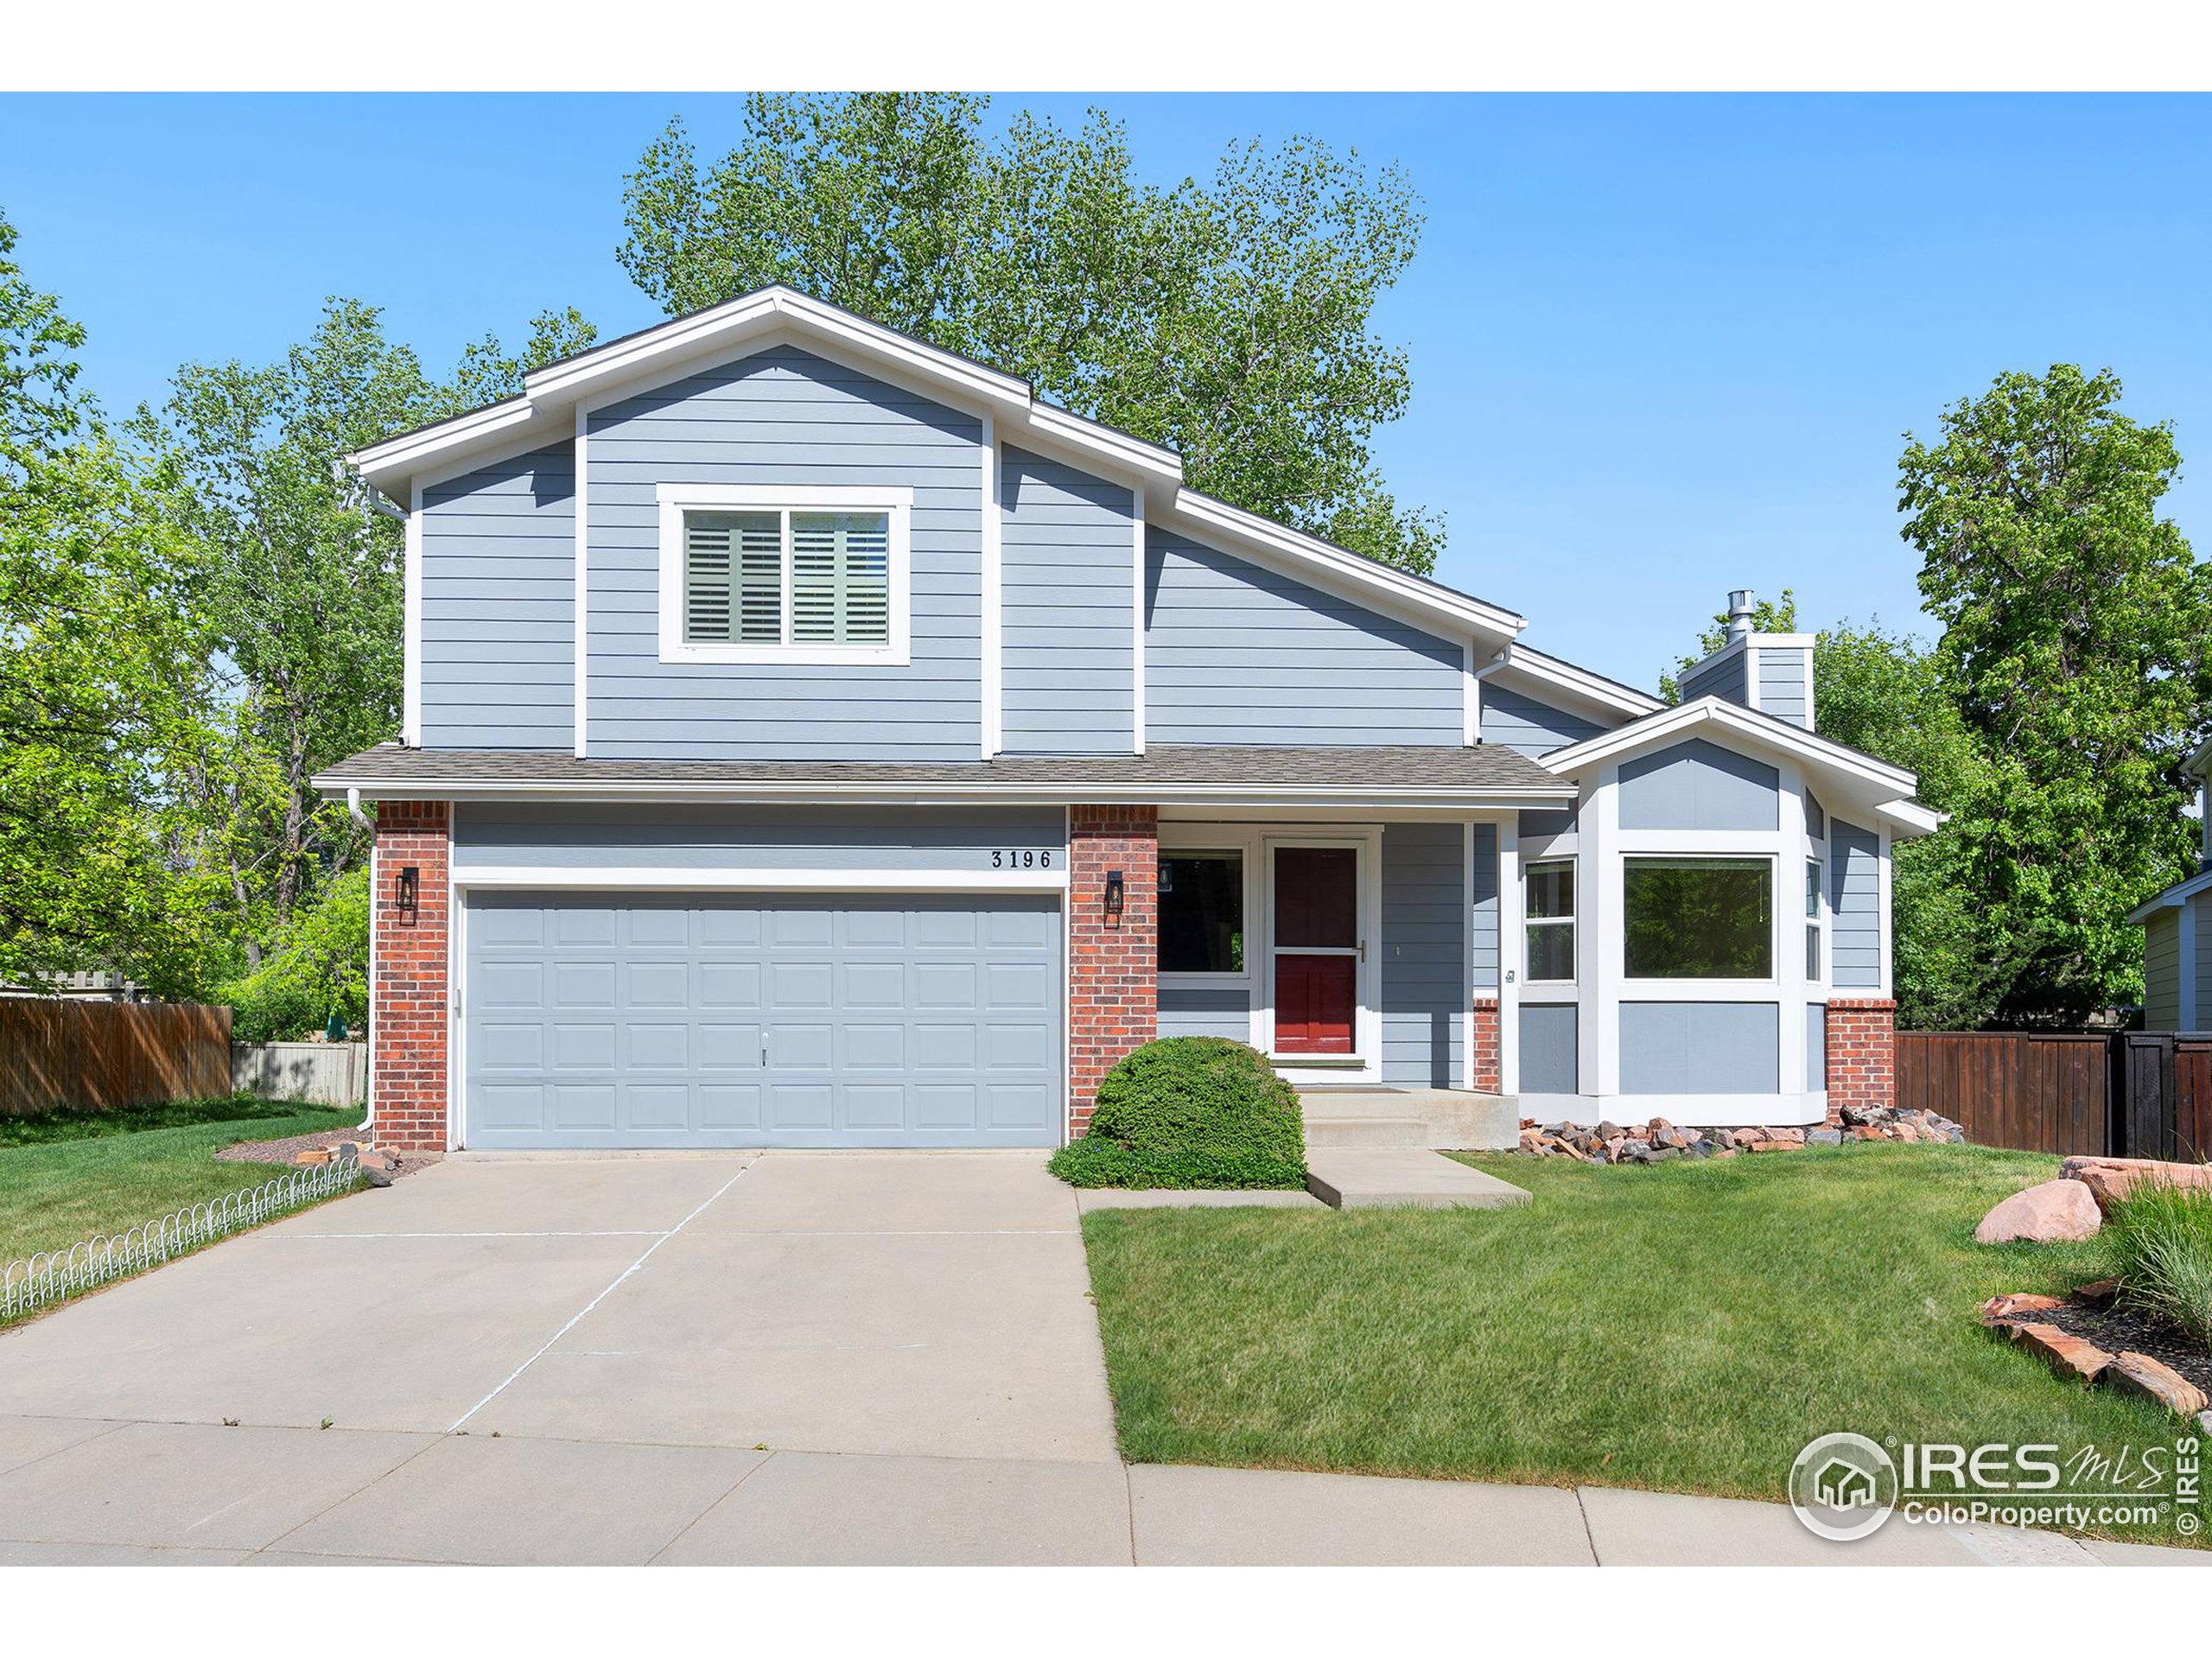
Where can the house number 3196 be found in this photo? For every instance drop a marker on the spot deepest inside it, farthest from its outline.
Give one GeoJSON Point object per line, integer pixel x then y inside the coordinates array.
{"type": "Point", "coordinates": [1025, 859]}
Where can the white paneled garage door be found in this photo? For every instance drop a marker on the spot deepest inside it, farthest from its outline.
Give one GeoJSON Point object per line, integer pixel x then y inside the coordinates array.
{"type": "Point", "coordinates": [632, 1020]}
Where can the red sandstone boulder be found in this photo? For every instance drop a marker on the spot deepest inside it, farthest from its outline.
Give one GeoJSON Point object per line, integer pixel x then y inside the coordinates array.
{"type": "Point", "coordinates": [2137, 1373]}
{"type": "Point", "coordinates": [2109, 1177]}
{"type": "Point", "coordinates": [1999, 1309]}
{"type": "Point", "coordinates": [2047, 1213]}
{"type": "Point", "coordinates": [2070, 1357]}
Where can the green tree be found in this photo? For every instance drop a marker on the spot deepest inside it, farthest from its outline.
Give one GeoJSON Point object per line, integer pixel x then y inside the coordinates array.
{"type": "Point", "coordinates": [2076, 627]}
{"type": "Point", "coordinates": [100, 648]}
{"type": "Point", "coordinates": [304, 577]}
{"type": "Point", "coordinates": [1230, 321]}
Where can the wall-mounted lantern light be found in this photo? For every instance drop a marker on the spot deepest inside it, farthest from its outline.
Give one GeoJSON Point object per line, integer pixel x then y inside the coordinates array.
{"type": "Point", "coordinates": [410, 892]}
{"type": "Point", "coordinates": [1116, 892]}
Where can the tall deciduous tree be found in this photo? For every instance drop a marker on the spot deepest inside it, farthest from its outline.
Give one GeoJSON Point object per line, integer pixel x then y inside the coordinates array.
{"type": "Point", "coordinates": [100, 652]}
{"type": "Point", "coordinates": [2077, 645]}
{"type": "Point", "coordinates": [1230, 321]}
{"type": "Point", "coordinates": [302, 577]}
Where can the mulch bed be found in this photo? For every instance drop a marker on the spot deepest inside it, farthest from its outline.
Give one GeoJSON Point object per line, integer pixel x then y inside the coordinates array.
{"type": "Point", "coordinates": [2116, 1328]}
{"type": "Point", "coordinates": [282, 1152]}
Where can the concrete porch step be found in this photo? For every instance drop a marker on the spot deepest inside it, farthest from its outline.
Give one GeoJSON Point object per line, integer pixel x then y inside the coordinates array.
{"type": "Point", "coordinates": [1360, 1177]}
{"type": "Point", "coordinates": [1370, 1132]}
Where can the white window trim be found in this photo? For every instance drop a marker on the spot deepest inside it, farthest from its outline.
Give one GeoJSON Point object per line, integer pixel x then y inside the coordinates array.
{"type": "Point", "coordinates": [1245, 845]}
{"type": "Point", "coordinates": [677, 499]}
{"type": "Point", "coordinates": [1571, 921]}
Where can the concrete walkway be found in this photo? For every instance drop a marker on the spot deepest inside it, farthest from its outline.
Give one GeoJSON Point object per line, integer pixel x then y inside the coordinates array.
{"type": "Point", "coordinates": [782, 1358]}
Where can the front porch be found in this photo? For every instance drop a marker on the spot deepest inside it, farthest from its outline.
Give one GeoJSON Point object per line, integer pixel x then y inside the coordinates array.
{"type": "Point", "coordinates": [1440, 1119]}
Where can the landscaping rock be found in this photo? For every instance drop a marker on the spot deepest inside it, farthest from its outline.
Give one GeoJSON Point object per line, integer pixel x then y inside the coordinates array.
{"type": "Point", "coordinates": [2097, 1292]}
{"type": "Point", "coordinates": [2070, 1357]}
{"type": "Point", "coordinates": [312, 1157]}
{"type": "Point", "coordinates": [2110, 1177]}
{"type": "Point", "coordinates": [2134, 1373]}
{"type": "Point", "coordinates": [1998, 1309]}
{"type": "Point", "coordinates": [1825, 1138]}
{"type": "Point", "coordinates": [2047, 1213]}
{"type": "Point", "coordinates": [1609, 1130]}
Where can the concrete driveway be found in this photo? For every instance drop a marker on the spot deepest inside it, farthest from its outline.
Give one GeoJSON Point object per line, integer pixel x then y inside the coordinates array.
{"type": "Point", "coordinates": [781, 1358]}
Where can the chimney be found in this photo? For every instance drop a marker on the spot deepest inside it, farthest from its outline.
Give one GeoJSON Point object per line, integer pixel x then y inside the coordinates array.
{"type": "Point", "coordinates": [1770, 672]}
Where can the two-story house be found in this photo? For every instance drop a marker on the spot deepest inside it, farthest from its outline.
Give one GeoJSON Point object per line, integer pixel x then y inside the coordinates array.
{"type": "Point", "coordinates": [813, 739]}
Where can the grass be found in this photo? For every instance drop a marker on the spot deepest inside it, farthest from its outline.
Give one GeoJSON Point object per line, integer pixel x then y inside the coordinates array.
{"type": "Point", "coordinates": [1686, 1327]}
{"type": "Point", "coordinates": [67, 1176]}
{"type": "Point", "coordinates": [2161, 1240]}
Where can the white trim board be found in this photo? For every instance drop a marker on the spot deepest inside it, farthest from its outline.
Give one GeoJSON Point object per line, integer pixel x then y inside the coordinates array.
{"type": "Point", "coordinates": [993, 712]}
{"type": "Point", "coordinates": [758, 879]}
{"type": "Point", "coordinates": [895, 503]}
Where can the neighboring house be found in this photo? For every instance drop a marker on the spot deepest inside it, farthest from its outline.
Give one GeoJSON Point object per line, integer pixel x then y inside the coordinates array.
{"type": "Point", "coordinates": [84, 985]}
{"type": "Point", "coordinates": [813, 739]}
{"type": "Point", "coordinates": [2178, 930]}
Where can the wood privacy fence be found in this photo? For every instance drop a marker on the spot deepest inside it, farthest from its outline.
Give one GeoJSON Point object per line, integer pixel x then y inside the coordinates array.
{"type": "Point", "coordinates": [101, 1055]}
{"type": "Point", "coordinates": [2121, 1095]}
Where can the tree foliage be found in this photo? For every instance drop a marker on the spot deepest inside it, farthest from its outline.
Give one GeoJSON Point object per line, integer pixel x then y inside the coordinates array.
{"type": "Point", "coordinates": [1230, 321]}
{"type": "Point", "coordinates": [2077, 650]}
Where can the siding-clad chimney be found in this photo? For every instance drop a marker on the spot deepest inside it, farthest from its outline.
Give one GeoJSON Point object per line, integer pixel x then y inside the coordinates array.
{"type": "Point", "coordinates": [1770, 672]}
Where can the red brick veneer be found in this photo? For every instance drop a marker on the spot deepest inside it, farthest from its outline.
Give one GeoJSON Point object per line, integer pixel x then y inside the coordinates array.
{"type": "Point", "coordinates": [1862, 1053]}
{"type": "Point", "coordinates": [1483, 1033]}
{"type": "Point", "coordinates": [1113, 961]}
{"type": "Point", "coordinates": [408, 1002]}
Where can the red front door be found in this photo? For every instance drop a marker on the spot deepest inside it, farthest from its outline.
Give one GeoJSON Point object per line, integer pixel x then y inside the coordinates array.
{"type": "Point", "coordinates": [1317, 950]}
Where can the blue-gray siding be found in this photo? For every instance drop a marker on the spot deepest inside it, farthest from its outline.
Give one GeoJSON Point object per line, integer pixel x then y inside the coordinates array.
{"type": "Point", "coordinates": [572, 837]}
{"type": "Point", "coordinates": [783, 418]}
{"type": "Point", "coordinates": [1549, 1060]}
{"type": "Point", "coordinates": [1700, 1048]}
{"type": "Point", "coordinates": [1816, 822]}
{"type": "Point", "coordinates": [1424, 982]}
{"type": "Point", "coordinates": [1543, 826]}
{"type": "Point", "coordinates": [1698, 786]}
{"type": "Point", "coordinates": [1205, 1011]}
{"type": "Point", "coordinates": [1484, 906]}
{"type": "Point", "coordinates": [1723, 679]}
{"type": "Point", "coordinates": [1068, 626]}
{"type": "Point", "coordinates": [499, 606]}
{"type": "Point", "coordinates": [641, 1020]}
{"type": "Point", "coordinates": [1236, 653]}
{"type": "Point", "coordinates": [1785, 680]}
{"type": "Point", "coordinates": [1855, 898]}
{"type": "Point", "coordinates": [1816, 1047]}
{"type": "Point", "coordinates": [1521, 723]}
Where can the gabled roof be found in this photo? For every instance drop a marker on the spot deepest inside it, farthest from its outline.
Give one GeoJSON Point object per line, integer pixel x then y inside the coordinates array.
{"type": "Point", "coordinates": [1845, 777]}
{"type": "Point", "coordinates": [2173, 898]}
{"type": "Point", "coordinates": [546, 411]}
{"type": "Point", "coordinates": [1557, 675]}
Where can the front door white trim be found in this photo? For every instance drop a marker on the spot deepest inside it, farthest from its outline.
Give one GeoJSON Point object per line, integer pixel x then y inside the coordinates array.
{"type": "Point", "coordinates": [1365, 1063]}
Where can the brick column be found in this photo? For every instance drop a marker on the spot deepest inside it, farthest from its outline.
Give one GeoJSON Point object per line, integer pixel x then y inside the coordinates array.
{"type": "Point", "coordinates": [408, 1001]}
{"type": "Point", "coordinates": [1113, 960]}
{"type": "Point", "coordinates": [1862, 1053]}
{"type": "Point", "coordinates": [1482, 1032]}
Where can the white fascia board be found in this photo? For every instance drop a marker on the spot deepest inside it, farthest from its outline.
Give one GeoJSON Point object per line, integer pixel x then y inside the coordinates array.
{"type": "Point", "coordinates": [1910, 818]}
{"type": "Point", "coordinates": [2172, 899]}
{"type": "Point", "coordinates": [1056, 427]}
{"type": "Point", "coordinates": [1312, 560]}
{"type": "Point", "coordinates": [513, 427]}
{"type": "Point", "coordinates": [1556, 675]}
{"type": "Point", "coordinates": [1057, 794]}
{"type": "Point", "coordinates": [1820, 752]}
{"type": "Point", "coordinates": [2199, 764]}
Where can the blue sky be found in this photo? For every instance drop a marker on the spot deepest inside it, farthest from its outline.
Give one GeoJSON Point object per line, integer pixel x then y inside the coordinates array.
{"type": "Point", "coordinates": [1662, 346]}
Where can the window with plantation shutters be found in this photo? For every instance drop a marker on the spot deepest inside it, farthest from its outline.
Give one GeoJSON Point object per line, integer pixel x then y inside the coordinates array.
{"type": "Point", "coordinates": [816, 576]}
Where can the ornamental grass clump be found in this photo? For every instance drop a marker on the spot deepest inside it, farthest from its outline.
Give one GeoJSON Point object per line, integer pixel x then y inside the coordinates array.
{"type": "Point", "coordinates": [1190, 1112]}
{"type": "Point", "coordinates": [2161, 1237]}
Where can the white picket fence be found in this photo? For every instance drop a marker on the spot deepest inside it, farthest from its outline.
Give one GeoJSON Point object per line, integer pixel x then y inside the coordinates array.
{"type": "Point", "coordinates": [327, 1074]}
{"type": "Point", "coordinates": [52, 1276]}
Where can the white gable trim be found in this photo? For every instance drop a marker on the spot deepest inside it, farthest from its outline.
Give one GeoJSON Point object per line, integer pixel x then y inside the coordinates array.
{"type": "Point", "coordinates": [2174, 898]}
{"type": "Point", "coordinates": [1606, 696]}
{"type": "Point", "coordinates": [742, 327]}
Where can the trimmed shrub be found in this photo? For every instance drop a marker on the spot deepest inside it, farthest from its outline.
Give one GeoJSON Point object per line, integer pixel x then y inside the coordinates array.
{"type": "Point", "coordinates": [1190, 1112]}
{"type": "Point", "coordinates": [2161, 1237]}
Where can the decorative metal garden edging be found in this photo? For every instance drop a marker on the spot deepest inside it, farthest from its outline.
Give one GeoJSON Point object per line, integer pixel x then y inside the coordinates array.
{"type": "Point", "coordinates": [54, 1276]}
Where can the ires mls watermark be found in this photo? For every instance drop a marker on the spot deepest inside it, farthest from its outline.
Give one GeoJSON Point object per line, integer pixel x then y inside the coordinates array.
{"type": "Point", "coordinates": [1845, 1486]}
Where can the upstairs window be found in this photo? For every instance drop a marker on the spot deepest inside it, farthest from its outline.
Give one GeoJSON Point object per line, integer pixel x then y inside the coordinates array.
{"type": "Point", "coordinates": [799, 576]}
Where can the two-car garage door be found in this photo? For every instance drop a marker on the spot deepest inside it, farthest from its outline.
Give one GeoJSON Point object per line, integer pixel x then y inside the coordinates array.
{"type": "Point", "coordinates": [630, 1019]}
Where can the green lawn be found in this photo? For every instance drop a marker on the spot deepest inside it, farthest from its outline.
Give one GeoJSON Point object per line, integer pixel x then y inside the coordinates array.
{"type": "Point", "coordinates": [1684, 1327]}
{"type": "Point", "coordinates": [68, 1176]}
